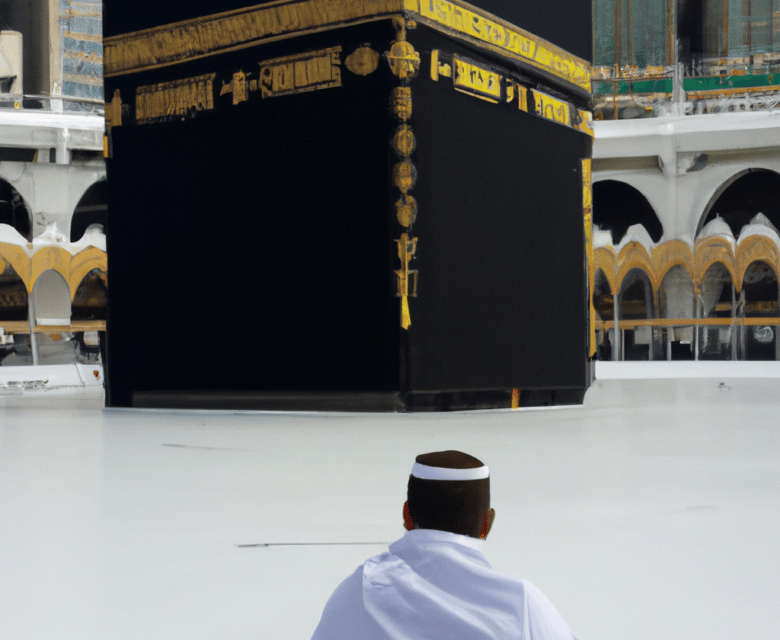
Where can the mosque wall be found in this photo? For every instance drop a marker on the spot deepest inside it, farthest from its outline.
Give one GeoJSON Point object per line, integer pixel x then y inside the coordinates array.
{"type": "Point", "coordinates": [685, 96]}
{"type": "Point", "coordinates": [53, 286]}
{"type": "Point", "coordinates": [719, 209]}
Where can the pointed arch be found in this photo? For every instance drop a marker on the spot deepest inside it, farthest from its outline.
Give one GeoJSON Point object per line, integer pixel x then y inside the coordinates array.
{"type": "Point", "coordinates": [628, 284]}
{"type": "Point", "coordinates": [742, 196]}
{"type": "Point", "coordinates": [91, 209]}
{"type": "Point", "coordinates": [617, 206]}
{"type": "Point", "coordinates": [677, 293]}
{"type": "Point", "coordinates": [605, 260]}
{"type": "Point", "coordinates": [13, 296]}
{"type": "Point", "coordinates": [49, 258]}
{"type": "Point", "coordinates": [90, 299]}
{"type": "Point", "coordinates": [14, 210]}
{"type": "Point", "coordinates": [19, 260]}
{"type": "Point", "coordinates": [711, 250]}
{"type": "Point", "coordinates": [635, 256]}
{"type": "Point", "coordinates": [755, 248]}
{"type": "Point", "coordinates": [84, 262]}
{"type": "Point", "coordinates": [674, 253]}
{"type": "Point", "coordinates": [51, 299]}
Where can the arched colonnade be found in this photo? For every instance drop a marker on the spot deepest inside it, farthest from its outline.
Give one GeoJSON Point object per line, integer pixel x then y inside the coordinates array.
{"type": "Point", "coordinates": [50, 293]}
{"type": "Point", "coordinates": [714, 300]}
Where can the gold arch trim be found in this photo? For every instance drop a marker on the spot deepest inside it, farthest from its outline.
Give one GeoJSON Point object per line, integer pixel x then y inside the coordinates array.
{"type": "Point", "coordinates": [49, 258]}
{"type": "Point", "coordinates": [716, 250]}
{"type": "Point", "coordinates": [696, 261]}
{"type": "Point", "coordinates": [82, 263]}
{"type": "Point", "coordinates": [17, 257]}
{"type": "Point", "coordinates": [754, 249]}
{"type": "Point", "coordinates": [635, 256]}
{"type": "Point", "coordinates": [72, 268]}
{"type": "Point", "coordinates": [605, 260]}
{"type": "Point", "coordinates": [675, 253]}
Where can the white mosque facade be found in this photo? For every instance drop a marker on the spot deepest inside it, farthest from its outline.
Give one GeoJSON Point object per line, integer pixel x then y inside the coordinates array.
{"type": "Point", "coordinates": [53, 192]}
{"type": "Point", "coordinates": [686, 181]}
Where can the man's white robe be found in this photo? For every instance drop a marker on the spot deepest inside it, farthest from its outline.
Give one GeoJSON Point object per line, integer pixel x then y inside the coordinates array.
{"type": "Point", "coordinates": [434, 584]}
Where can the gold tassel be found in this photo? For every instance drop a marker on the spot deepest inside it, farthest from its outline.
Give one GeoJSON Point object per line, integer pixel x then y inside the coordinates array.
{"type": "Point", "coordinates": [405, 319]}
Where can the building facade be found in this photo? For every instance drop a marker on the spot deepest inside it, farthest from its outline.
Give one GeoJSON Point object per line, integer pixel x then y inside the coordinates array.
{"type": "Point", "coordinates": [53, 193]}
{"type": "Point", "coordinates": [686, 179]}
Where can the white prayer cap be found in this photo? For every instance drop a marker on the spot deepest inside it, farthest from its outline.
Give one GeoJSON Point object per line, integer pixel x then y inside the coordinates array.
{"type": "Point", "coordinates": [449, 465]}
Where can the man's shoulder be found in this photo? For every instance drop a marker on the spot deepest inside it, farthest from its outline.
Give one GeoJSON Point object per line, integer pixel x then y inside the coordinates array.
{"type": "Point", "coordinates": [350, 589]}
{"type": "Point", "coordinates": [544, 619]}
{"type": "Point", "coordinates": [344, 610]}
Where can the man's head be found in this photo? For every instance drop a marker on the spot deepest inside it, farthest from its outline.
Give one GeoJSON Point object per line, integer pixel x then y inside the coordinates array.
{"type": "Point", "coordinates": [449, 491]}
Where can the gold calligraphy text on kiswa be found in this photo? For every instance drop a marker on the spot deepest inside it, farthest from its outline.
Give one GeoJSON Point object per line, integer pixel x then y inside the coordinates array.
{"type": "Point", "coordinates": [505, 37]}
{"type": "Point", "coordinates": [297, 74]}
{"type": "Point", "coordinates": [551, 108]}
{"type": "Point", "coordinates": [477, 81]}
{"type": "Point", "coordinates": [238, 29]}
{"type": "Point", "coordinates": [406, 249]}
{"type": "Point", "coordinates": [177, 98]}
{"type": "Point", "coordinates": [490, 84]}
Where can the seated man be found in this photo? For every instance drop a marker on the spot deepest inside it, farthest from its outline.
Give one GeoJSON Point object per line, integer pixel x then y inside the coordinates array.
{"type": "Point", "coordinates": [435, 582]}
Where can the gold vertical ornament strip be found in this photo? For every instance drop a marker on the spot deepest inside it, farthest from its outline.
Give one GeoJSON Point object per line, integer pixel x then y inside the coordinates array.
{"type": "Point", "coordinates": [403, 144]}
{"type": "Point", "coordinates": [406, 249]}
{"type": "Point", "coordinates": [404, 63]}
{"type": "Point", "coordinates": [587, 208]}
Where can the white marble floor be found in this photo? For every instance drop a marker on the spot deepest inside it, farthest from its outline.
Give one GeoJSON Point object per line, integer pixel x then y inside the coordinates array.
{"type": "Point", "coordinates": [651, 512]}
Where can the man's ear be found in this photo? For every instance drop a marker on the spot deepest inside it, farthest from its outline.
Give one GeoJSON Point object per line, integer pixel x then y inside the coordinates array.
{"type": "Point", "coordinates": [487, 523]}
{"type": "Point", "coordinates": [408, 524]}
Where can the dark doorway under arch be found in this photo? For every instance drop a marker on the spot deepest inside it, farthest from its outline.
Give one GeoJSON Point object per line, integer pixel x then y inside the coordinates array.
{"type": "Point", "coordinates": [91, 209]}
{"type": "Point", "coordinates": [13, 308]}
{"type": "Point", "coordinates": [636, 303]}
{"type": "Point", "coordinates": [717, 300]}
{"type": "Point", "coordinates": [617, 206]}
{"type": "Point", "coordinates": [89, 303]}
{"type": "Point", "coordinates": [757, 191]}
{"type": "Point", "coordinates": [14, 211]}
{"type": "Point", "coordinates": [13, 297]}
{"type": "Point", "coordinates": [760, 299]}
{"type": "Point", "coordinates": [604, 304]}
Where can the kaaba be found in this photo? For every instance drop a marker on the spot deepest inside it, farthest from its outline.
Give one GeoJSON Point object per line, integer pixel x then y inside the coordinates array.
{"type": "Point", "coordinates": [376, 205]}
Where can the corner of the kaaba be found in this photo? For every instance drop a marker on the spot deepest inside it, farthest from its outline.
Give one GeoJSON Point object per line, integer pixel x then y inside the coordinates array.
{"type": "Point", "coordinates": [351, 207]}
